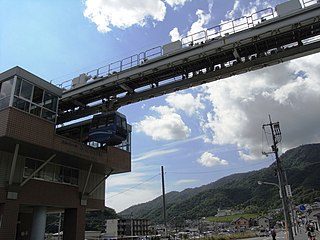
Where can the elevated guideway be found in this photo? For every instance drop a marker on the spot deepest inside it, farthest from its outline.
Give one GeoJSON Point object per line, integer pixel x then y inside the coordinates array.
{"type": "Point", "coordinates": [263, 39]}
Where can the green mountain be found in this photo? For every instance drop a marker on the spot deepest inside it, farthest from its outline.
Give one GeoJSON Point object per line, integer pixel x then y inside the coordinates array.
{"type": "Point", "coordinates": [240, 191]}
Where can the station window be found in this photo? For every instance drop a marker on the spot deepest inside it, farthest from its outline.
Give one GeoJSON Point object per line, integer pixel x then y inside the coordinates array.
{"type": "Point", "coordinates": [37, 95]}
{"type": "Point", "coordinates": [49, 115]}
{"type": "Point", "coordinates": [5, 93]}
{"type": "Point", "coordinates": [50, 101]}
{"type": "Point", "coordinates": [51, 172]}
{"type": "Point", "coordinates": [26, 90]}
{"type": "Point", "coordinates": [124, 123]}
{"type": "Point", "coordinates": [21, 104]}
{"type": "Point", "coordinates": [37, 101]}
{"type": "Point", "coordinates": [35, 110]}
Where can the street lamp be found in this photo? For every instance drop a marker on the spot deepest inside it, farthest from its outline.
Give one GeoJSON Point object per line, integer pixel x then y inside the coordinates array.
{"type": "Point", "coordinates": [268, 183]}
{"type": "Point", "coordinates": [274, 184]}
{"type": "Point", "coordinates": [288, 191]}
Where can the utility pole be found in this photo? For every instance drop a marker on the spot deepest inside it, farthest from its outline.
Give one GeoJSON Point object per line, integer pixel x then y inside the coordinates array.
{"type": "Point", "coordinates": [291, 208]}
{"type": "Point", "coordinates": [276, 138]}
{"type": "Point", "coordinates": [164, 202]}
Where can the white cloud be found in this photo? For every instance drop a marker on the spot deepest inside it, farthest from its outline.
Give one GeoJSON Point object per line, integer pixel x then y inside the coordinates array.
{"type": "Point", "coordinates": [137, 196]}
{"type": "Point", "coordinates": [174, 34]}
{"type": "Point", "coordinates": [230, 14]}
{"type": "Point", "coordinates": [167, 126]}
{"type": "Point", "coordinates": [155, 153]}
{"type": "Point", "coordinates": [173, 3]}
{"type": "Point", "coordinates": [209, 160]}
{"type": "Point", "coordinates": [244, 8]}
{"type": "Point", "coordinates": [241, 105]}
{"type": "Point", "coordinates": [142, 184]}
{"type": "Point", "coordinates": [185, 181]}
{"type": "Point", "coordinates": [197, 28]}
{"type": "Point", "coordinates": [123, 14]}
{"type": "Point", "coordinates": [125, 179]}
{"type": "Point", "coordinates": [185, 102]}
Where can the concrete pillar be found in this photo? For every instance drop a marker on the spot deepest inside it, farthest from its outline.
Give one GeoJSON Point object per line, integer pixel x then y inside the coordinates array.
{"type": "Point", "coordinates": [9, 212]}
{"type": "Point", "coordinates": [74, 223]}
{"type": "Point", "coordinates": [38, 223]}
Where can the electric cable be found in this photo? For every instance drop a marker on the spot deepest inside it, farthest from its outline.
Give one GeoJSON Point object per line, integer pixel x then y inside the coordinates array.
{"type": "Point", "coordinates": [139, 184]}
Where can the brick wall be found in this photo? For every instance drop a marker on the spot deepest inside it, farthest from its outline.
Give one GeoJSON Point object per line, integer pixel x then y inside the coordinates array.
{"type": "Point", "coordinates": [29, 128]}
{"type": "Point", "coordinates": [4, 116]}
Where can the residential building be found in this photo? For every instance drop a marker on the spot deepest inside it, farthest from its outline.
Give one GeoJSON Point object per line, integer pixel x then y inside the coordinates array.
{"type": "Point", "coordinates": [263, 222]}
{"type": "Point", "coordinates": [223, 212]}
{"type": "Point", "coordinates": [227, 212]}
{"type": "Point", "coordinates": [121, 228]}
{"type": "Point", "coordinates": [241, 223]}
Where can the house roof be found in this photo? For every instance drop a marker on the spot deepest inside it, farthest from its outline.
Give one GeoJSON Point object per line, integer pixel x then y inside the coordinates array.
{"type": "Point", "coordinates": [240, 219]}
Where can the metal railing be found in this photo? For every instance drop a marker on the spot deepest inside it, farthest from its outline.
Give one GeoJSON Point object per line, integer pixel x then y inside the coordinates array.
{"type": "Point", "coordinates": [224, 29]}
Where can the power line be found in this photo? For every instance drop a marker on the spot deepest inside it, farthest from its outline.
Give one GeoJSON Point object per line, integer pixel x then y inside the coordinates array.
{"type": "Point", "coordinates": [135, 186]}
{"type": "Point", "coordinates": [214, 171]}
{"type": "Point", "coordinates": [149, 179]}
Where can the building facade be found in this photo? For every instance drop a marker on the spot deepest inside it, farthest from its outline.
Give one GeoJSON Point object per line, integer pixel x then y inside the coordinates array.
{"type": "Point", "coordinates": [241, 223]}
{"type": "Point", "coordinates": [42, 171]}
{"type": "Point", "coordinates": [123, 228]}
{"type": "Point", "coordinates": [264, 223]}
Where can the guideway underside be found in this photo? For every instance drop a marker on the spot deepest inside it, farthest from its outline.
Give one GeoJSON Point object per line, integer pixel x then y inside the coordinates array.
{"type": "Point", "coordinates": [205, 59]}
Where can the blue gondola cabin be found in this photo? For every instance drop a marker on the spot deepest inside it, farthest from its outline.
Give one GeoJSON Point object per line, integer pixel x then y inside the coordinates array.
{"type": "Point", "coordinates": [108, 128]}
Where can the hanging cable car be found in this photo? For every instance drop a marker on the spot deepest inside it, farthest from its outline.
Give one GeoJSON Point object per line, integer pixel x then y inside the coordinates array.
{"type": "Point", "coordinates": [108, 128]}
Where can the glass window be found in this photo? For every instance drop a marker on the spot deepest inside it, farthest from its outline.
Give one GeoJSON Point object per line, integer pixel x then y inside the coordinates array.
{"type": "Point", "coordinates": [109, 121]}
{"type": "Point", "coordinates": [124, 123]}
{"type": "Point", "coordinates": [50, 101]}
{"type": "Point", "coordinates": [46, 114]}
{"type": "Point", "coordinates": [102, 121]}
{"type": "Point", "coordinates": [5, 88]}
{"type": "Point", "coordinates": [118, 121]}
{"type": "Point", "coordinates": [18, 87]}
{"type": "Point", "coordinates": [58, 173]}
{"type": "Point", "coordinates": [51, 172]}
{"type": "Point", "coordinates": [5, 93]}
{"type": "Point", "coordinates": [94, 123]}
{"type": "Point", "coordinates": [26, 90]}
{"type": "Point", "coordinates": [4, 102]}
{"type": "Point", "coordinates": [35, 110]}
{"type": "Point", "coordinates": [48, 172]}
{"type": "Point", "coordinates": [37, 95]}
{"type": "Point", "coordinates": [67, 175]}
{"type": "Point", "coordinates": [74, 176]}
{"type": "Point", "coordinates": [30, 166]}
{"type": "Point", "coordinates": [21, 104]}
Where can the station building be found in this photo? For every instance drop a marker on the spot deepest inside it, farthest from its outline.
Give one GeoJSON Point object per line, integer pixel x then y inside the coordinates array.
{"type": "Point", "coordinates": [45, 169]}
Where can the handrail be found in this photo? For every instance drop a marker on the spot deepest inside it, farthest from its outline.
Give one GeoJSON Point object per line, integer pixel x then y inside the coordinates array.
{"type": "Point", "coordinates": [222, 30]}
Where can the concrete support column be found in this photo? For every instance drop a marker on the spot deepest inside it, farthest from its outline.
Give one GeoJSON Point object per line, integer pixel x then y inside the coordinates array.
{"type": "Point", "coordinates": [9, 212]}
{"type": "Point", "coordinates": [38, 223]}
{"type": "Point", "coordinates": [74, 223]}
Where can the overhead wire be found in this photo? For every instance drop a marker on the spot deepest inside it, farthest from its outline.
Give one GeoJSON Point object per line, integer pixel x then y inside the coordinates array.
{"type": "Point", "coordinates": [220, 170]}
{"type": "Point", "coordinates": [206, 172]}
{"type": "Point", "coordinates": [168, 172]}
{"type": "Point", "coordinates": [133, 187]}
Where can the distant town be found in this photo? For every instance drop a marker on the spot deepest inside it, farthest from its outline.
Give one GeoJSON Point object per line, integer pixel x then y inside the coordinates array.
{"type": "Point", "coordinates": [226, 224]}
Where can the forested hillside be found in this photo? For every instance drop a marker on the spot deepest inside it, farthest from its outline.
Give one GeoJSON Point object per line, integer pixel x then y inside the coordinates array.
{"type": "Point", "coordinates": [241, 191]}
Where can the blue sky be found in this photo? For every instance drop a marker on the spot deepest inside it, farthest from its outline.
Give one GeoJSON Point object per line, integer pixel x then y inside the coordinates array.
{"type": "Point", "coordinates": [199, 135]}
